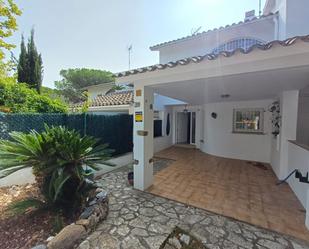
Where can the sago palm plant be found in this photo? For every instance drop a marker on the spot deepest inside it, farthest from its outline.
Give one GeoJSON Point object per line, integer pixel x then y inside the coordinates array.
{"type": "Point", "coordinates": [57, 157]}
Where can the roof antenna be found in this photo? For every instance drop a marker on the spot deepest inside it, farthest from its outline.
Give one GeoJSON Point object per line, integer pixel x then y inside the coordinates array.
{"type": "Point", "coordinates": [195, 31]}
{"type": "Point", "coordinates": [260, 8]}
{"type": "Point", "coordinates": [129, 48]}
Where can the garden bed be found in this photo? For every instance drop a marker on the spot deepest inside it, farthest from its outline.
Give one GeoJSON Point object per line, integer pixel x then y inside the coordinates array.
{"type": "Point", "coordinates": [27, 230]}
{"type": "Point", "coordinates": [36, 226]}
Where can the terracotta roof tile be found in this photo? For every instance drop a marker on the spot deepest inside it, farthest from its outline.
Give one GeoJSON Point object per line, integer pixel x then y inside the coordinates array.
{"type": "Point", "coordinates": [210, 57]}
{"type": "Point", "coordinates": [112, 99]}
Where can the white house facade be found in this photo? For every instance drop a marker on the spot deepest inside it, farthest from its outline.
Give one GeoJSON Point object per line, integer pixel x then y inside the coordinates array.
{"type": "Point", "coordinates": [243, 90]}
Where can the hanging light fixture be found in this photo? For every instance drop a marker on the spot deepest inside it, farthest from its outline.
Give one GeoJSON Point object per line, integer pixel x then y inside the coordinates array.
{"type": "Point", "coordinates": [186, 109]}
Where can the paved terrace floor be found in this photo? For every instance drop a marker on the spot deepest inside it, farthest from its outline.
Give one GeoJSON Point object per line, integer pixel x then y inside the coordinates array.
{"type": "Point", "coordinates": [234, 188]}
{"type": "Point", "coordinates": [139, 220]}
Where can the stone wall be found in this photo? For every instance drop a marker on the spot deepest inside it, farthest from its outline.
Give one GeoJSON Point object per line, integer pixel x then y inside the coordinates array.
{"type": "Point", "coordinates": [95, 211]}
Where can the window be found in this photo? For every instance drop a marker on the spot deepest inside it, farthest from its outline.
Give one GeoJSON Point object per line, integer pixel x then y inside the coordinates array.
{"type": "Point", "coordinates": [244, 43]}
{"type": "Point", "coordinates": [157, 128]}
{"type": "Point", "coordinates": [248, 120]}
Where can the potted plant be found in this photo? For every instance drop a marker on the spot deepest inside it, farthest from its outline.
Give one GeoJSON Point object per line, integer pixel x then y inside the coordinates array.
{"type": "Point", "coordinates": [89, 173]}
{"type": "Point", "coordinates": [131, 178]}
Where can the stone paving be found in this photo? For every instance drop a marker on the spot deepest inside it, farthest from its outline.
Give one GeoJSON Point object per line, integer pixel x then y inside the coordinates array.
{"type": "Point", "coordinates": [139, 220]}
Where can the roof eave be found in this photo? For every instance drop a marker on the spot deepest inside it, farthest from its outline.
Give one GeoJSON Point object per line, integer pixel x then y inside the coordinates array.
{"type": "Point", "coordinates": [109, 107]}
{"type": "Point", "coordinates": [210, 57]}
{"type": "Point", "coordinates": [190, 37]}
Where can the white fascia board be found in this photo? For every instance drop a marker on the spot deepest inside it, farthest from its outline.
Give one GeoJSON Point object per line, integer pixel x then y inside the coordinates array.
{"type": "Point", "coordinates": [110, 108]}
{"type": "Point", "coordinates": [278, 57]}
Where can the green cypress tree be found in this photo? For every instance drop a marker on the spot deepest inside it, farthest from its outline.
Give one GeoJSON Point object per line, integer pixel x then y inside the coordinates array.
{"type": "Point", "coordinates": [33, 75]}
{"type": "Point", "coordinates": [22, 67]}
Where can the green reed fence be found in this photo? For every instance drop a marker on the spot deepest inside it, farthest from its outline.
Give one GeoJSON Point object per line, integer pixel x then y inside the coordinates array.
{"type": "Point", "coordinates": [116, 130]}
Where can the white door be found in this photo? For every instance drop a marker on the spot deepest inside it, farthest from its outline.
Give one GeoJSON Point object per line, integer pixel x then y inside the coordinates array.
{"type": "Point", "coordinates": [193, 128]}
{"type": "Point", "coordinates": [182, 127]}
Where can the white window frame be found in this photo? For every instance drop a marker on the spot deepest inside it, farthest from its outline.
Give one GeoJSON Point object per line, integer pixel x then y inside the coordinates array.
{"type": "Point", "coordinates": [249, 131]}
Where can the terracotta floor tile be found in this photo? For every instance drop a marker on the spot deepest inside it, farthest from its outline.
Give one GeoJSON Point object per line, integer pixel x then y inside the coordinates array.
{"type": "Point", "coordinates": [230, 187]}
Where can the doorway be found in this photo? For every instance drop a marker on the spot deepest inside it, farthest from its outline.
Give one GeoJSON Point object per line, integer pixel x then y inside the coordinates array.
{"type": "Point", "coordinates": [186, 128]}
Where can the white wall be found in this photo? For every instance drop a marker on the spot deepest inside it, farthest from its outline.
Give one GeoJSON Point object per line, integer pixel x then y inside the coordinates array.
{"type": "Point", "coordinates": [303, 117]}
{"type": "Point", "coordinates": [298, 158]}
{"type": "Point", "coordinates": [220, 141]}
{"type": "Point", "coordinates": [279, 149]}
{"type": "Point", "coordinates": [165, 105]}
{"type": "Point", "coordinates": [293, 18]}
{"type": "Point", "coordinates": [263, 29]}
{"type": "Point", "coordinates": [161, 143]}
{"type": "Point", "coordinates": [94, 91]}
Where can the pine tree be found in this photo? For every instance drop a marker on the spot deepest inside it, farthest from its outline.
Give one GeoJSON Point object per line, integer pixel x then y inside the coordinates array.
{"type": "Point", "coordinates": [30, 65]}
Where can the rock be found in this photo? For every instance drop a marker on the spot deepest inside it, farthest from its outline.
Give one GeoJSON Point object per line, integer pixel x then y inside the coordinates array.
{"type": "Point", "coordinates": [123, 230]}
{"type": "Point", "coordinates": [238, 240]}
{"type": "Point", "coordinates": [98, 190]}
{"type": "Point", "coordinates": [92, 221]}
{"type": "Point", "coordinates": [185, 239]}
{"type": "Point", "coordinates": [39, 247]}
{"type": "Point", "coordinates": [87, 212]}
{"type": "Point", "coordinates": [149, 212]}
{"type": "Point", "coordinates": [92, 203]}
{"type": "Point", "coordinates": [84, 245]}
{"type": "Point", "coordinates": [102, 196]}
{"type": "Point", "coordinates": [68, 237]}
{"type": "Point", "coordinates": [130, 242]}
{"type": "Point", "coordinates": [50, 238]}
{"type": "Point", "coordinates": [174, 242]}
{"type": "Point", "coordinates": [193, 219]}
{"type": "Point", "coordinates": [154, 242]}
{"type": "Point", "coordinates": [108, 241]}
{"type": "Point", "coordinates": [159, 228]}
{"type": "Point", "coordinates": [168, 246]}
{"type": "Point", "coordinates": [83, 222]}
{"type": "Point", "coordinates": [270, 244]}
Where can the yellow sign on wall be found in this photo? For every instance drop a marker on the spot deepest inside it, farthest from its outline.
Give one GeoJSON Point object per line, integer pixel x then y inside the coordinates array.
{"type": "Point", "coordinates": [138, 117]}
{"type": "Point", "coordinates": [138, 93]}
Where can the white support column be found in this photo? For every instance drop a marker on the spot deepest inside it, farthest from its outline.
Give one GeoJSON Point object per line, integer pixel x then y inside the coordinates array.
{"type": "Point", "coordinates": [289, 112]}
{"type": "Point", "coordinates": [143, 137]}
{"type": "Point", "coordinates": [307, 211]}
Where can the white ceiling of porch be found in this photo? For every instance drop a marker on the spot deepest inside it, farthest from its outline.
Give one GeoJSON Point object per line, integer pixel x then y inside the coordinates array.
{"type": "Point", "coordinates": [251, 86]}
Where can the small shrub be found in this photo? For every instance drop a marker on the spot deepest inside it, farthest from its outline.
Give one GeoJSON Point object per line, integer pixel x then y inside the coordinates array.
{"type": "Point", "coordinates": [18, 98]}
{"type": "Point", "coordinates": [57, 157]}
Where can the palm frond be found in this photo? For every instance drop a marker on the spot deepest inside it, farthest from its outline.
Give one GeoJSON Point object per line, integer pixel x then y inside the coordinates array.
{"type": "Point", "coordinates": [21, 207]}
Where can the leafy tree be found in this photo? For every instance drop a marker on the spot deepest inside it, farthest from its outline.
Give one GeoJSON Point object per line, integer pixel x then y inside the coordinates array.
{"type": "Point", "coordinates": [30, 64]}
{"type": "Point", "coordinates": [74, 80]}
{"type": "Point", "coordinates": [52, 93]}
{"type": "Point", "coordinates": [19, 98]}
{"type": "Point", "coordinates": [8, 24]}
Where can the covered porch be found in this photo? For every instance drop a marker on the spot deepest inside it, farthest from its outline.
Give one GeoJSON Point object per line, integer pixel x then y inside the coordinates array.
{"type": "Point", "coordinates": [239, 189]}
{"type": "Point", "coordinates": [216, 174]}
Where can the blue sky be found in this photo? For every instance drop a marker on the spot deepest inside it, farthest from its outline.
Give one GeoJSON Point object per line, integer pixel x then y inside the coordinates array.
{"type": "Point", "coordinates": [96, 33]}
